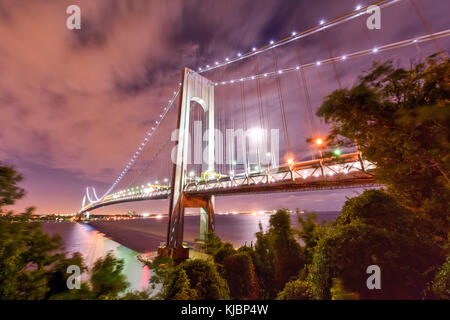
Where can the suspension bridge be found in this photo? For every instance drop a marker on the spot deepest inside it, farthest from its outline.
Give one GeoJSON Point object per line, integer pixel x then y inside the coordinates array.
{"type": "Point", "coordinates": [247, 124]}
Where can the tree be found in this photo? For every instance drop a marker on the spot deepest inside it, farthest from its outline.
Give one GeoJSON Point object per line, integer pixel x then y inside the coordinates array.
{"type": "Point", "coordinates": [213, 243]}
{"type": "Point", "coordinates": [9, 191]}
{"type": "Point", "coordinates": [374, 229]}
{"type": "Point", "coordinates": [107, 279]}
{"type": "Point", "coordinates": [182, 288]}
{"type": "Point", "coordinates": [288, 255]}
{"type": "Point", "coordinates": [203, 278]}
{"type": "Point", "coordinates": [26, 254]}
{"type": "Point", "coordinates": [310, 232]}
{"type": "Point", "coordinates": [296, 290]}
{"type": "Point", "coordinates": [401, 121]}
{"type": "Point", "coordinates": [263, 260]}
{"type": "Point", "coordinates": [241, 277]}
{"type": "Point", "coordinates": [225, 251]}
{"type": "Point", "coordinates": [57, 276]}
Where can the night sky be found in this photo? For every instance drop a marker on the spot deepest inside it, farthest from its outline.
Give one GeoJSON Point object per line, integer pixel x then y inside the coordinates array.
{"type": "Point", "coordinates": [75, 104]}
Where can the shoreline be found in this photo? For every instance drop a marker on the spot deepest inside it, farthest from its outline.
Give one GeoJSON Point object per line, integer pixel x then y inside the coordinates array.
{"type": "Point", "coordinates": [136, 240]}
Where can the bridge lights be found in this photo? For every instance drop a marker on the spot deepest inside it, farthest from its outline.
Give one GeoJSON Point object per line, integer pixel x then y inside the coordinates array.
{"type": "Point", "coordinates": [290, 161]}
{"type": "Point", "coordinates": [319, 142]}
{"type": "Point", "coordinates": [337, 152]}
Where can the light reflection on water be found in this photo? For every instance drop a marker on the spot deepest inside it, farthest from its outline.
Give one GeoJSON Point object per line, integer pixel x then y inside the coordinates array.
{"type": "Point", "coordinates": [144, 235]}
{"type": "Point", "coordinates": [93, 244]}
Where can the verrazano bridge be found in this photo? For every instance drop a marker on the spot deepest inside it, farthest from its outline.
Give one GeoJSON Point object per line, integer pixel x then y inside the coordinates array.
{"type": "Point", "coordinates": [246, 123]}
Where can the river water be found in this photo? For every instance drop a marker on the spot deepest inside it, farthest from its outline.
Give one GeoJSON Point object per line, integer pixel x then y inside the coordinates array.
{"type": "Point", "coordinates": [128, 238]}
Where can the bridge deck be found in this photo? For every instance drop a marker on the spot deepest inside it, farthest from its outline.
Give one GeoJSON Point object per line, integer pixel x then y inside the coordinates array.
{"type": "Point", "coordinates": [331, 173]}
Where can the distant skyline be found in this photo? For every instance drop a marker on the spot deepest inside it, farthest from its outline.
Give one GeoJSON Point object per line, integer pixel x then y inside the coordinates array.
{"type": "Point", "coordinates": [74, 105]}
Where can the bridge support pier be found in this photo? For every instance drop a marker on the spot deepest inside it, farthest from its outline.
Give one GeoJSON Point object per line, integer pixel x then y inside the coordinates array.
{"type": "Point", "coordinates": [174, 246]}
{"type": "Point", "coordinates": [194, 88]}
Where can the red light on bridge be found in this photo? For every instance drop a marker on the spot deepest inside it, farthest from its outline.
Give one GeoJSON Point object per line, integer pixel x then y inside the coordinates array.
{"type": "Point", "coordinates": [319, 142]}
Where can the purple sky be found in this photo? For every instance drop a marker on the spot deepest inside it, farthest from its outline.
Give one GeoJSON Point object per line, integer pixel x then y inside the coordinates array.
{"type": "Point", "coordinates": [74, 105]}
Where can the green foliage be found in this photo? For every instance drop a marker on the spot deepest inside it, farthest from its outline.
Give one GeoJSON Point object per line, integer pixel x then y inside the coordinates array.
{"type": "Point", "coordinates": [213, 243]}
{"type": "Point", "coordinates": [107, 279]}
{"type": "Point", "coordinates": [401, 121]}
{"type": "Point", "coordinates": [288, 255]}
{"type": "Point", "coordinates": [241, 277]}
{"type": "Point", "coordinates": [310, 232]}
{"type": "Point", "coordinates": [57, 276]}
{"type": "Point", "coordinates": [136, 295]}
{"type": "Point", "coordinates": [203, 282]}
{"type": "Point", "coordinates": [162, 275]}
{"type": "Point", "coordinates": [296, 290]}
{"type": "Point", "coordinates": [9, 191]}
{"type": "Point", "coordinates": [26, 252]}
{"type": "Point", "coordinates": [369, 232]}
{"type": "Point", "coordinates": [263, 260]}
{"type": "Point", "coordinates": [181, 289]}
{"type": "Point", "coordinates": [225, 251]}
{"type": "Point", "coordinates": [441, 283]}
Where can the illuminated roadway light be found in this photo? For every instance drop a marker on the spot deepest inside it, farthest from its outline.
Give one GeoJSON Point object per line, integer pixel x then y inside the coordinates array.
{"type": "Point", "coordinates": [297, 68]}
{"type": "Point", "coordinates": [344, 57]}
{"type": "Point", "coordinates": [272, 42]}
{"type": "Point", "coordinates": [199, 69]}
{"type": "Point", "coordinates": [253, 77]}
{"type": "Point", "coordinates": [321, 22]}
{"type": "Point", "coordinates": [239, 54]}
{"type": "Point", "coordinates": [375, 50]}
{"type": "Point", "coordinates": [358, 7]}
{"type": "Point", "coordinates": [232, 81]}
{"type": "Point", "coordinates": [253, 49]}
{"type": "Point", "coordinates": [294, 33]}
{"type": "Point", "coordinates": [207, 66]}
{"type": "Point", "coordinates": [216, 63]}
{"type": "Point", "coordinates": [227, 59]}
{"type": "Point", "coordinates": [318, 63]}
{"type": "Point", "coordinates": [319, 141]}
{"type": "Point", "coordinates": [241, 79]}
{"type": "Point", "coordinates": [254, 213]}
{"type": "Point", "coordinates": [265, 74]}
{"type": "Point", "coordinates": [280, 71]}
{"type": "Point", "coordinates": [290, 161]}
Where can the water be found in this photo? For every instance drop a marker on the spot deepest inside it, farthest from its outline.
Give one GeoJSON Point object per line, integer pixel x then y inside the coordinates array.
{"type": "Point", "coordinates": [93, 244]}
{"type": "Point", "coordinates": [128, 238]}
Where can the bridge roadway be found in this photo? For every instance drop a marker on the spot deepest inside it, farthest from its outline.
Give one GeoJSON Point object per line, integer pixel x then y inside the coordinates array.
{"type": "Point", "coordinates": [345, 171]}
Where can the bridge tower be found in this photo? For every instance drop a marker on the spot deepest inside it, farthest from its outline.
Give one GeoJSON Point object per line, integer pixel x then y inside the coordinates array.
{"type": "Point", "coordinates": [194, 88]}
